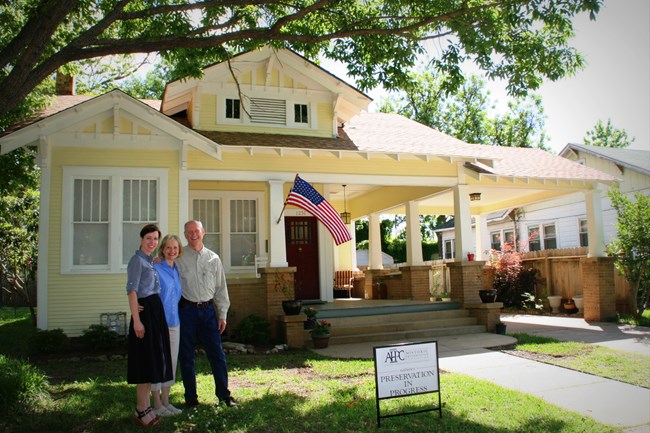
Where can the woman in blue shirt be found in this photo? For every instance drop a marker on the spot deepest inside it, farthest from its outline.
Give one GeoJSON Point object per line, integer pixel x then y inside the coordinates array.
{"type": "Point", "coordinates": [170, 249]}
{"type": "Point", "coordinates": [148, 342]}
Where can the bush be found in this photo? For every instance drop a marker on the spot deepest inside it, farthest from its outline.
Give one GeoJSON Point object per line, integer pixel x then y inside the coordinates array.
{"type": "Point", "coordinates": [253, 330]}
{"type": "Point", "coordinates": [512, 281]}
{"type": "Point", "coordinates": [98, 337]}
{"type": "Point", "coordinates": [22, 386]}
{"type": "Point", "coordinates": [49, 342]}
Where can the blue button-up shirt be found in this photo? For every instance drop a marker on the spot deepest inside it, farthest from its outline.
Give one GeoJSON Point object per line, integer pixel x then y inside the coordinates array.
{"type": "Point", "coordinates": [170, 293]}
{"type": "Point", "coordinates": [141, 277]}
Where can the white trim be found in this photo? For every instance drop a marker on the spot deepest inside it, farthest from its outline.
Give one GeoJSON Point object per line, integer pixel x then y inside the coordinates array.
{"type": "Point", "coordinates": [224, 197]}
{"type": "Point", "coordinates": [115, 175]}
{"type": "Point", "coordinates": [42, 273]}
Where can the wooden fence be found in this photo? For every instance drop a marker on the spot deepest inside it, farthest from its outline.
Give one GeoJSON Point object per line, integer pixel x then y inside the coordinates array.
{"type": "Point", "coordinates": [560, 274]}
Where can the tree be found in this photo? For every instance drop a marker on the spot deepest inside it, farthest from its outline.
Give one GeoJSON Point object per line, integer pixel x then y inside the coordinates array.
{"type": "Point", "coordinates": [18, 255]}
{"type": "Point", "coordinates": [467, 113]}
{"type": "Point", "coordinates": [607, 136]}
{"type": "Point", "coordinates": [521, 41]}
{"type": "Point", "coordinates": [631, 248]}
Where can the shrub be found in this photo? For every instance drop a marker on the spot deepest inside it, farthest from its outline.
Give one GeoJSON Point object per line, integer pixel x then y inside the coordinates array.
{"type": "Point", "coordinates": [98, 337]}
{"type": "Point", "coordinates": [22, 386]}
{"type": "Point", "coordinates": [49, 341]}
{"type": "Point", "coordinates": [253, 330]}
{"type": "Point", "coordinates": [511, 280]}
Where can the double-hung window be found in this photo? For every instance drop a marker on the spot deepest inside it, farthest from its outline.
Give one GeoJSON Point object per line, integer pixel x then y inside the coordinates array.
{"type": "Point", "coordinates": [534, 242]}
{"type": "Point", "coordinates": [103, 212]}
{"type": "Point", "coordinates": [584, 237]}
{"type": "Point", "coordinates": [231, 220]}
{"type": "Point", "coordinates": [550, 238]}
{"type": "Point", "coordinates": [449, 249]}
{"type": "Point", "coordinates": [495, 241]}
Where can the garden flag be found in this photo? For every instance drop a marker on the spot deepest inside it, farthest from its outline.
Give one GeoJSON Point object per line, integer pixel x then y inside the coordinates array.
{"type": "Point", "coordinates": [306, 197]}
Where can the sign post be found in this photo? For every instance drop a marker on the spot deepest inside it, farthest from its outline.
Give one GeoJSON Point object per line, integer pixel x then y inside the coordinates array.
{"type": "Point", "coordinates": [406, 369]}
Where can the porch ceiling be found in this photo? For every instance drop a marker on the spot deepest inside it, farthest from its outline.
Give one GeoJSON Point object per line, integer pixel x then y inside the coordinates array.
{"type": "Point", "coordinates": [441, 202]}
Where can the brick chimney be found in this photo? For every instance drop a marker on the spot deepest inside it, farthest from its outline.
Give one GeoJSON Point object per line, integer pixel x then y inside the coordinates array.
{"type": "Point", "coordinates": [64, 84]}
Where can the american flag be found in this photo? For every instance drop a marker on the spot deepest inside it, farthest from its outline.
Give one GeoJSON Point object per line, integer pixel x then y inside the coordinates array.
{"type": "Point", "coordinates": [306, 197]}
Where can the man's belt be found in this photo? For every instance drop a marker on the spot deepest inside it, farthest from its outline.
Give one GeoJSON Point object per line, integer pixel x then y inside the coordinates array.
{"type": "Point", "coordinates": [196, 304]}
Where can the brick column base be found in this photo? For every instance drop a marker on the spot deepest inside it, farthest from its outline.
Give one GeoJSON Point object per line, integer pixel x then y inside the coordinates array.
{"type": "Point", "coordinates": [293, 330]}
{"type": "Point", "coordinates": [486, 314]}
{"type": "Point", "coordinates": [465, 280]}
{"type": "Point", "coordinates": [415, 282]}
{"type": "Point", "coordinates": [598, 288]}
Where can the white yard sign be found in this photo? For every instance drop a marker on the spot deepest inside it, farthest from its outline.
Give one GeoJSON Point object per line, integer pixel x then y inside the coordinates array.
{"type": "Point", "coordinates": [406, 369]}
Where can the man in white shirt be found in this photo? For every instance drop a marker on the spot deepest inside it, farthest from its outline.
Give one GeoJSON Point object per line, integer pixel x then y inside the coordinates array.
{"type": "Point", "coordinates": [203, 310]}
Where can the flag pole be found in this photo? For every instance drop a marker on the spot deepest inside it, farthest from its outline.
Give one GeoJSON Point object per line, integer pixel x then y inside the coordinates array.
{"type": "Point", "coordinates": [285, 200]}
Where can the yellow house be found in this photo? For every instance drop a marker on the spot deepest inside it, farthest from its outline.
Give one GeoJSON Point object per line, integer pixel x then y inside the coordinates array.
{"type": "Point", "coordinates": [225, 149]}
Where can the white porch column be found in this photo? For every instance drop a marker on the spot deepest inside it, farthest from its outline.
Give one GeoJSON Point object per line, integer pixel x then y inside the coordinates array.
{"type": "Point", "coordinates": [595, 229]}
{"type": "Point", "coordinates": [482, 236]}
{"type": "Point", "coordinates": [353, 247]}
{"type": "Point", "coordinates": [462, 223]}
{"type": "Point", "coordinates": [277, 248]}
{"type": "Point", "coordinates": [374, 242]}
{"type": "Point", "coordinates": [413, 235]}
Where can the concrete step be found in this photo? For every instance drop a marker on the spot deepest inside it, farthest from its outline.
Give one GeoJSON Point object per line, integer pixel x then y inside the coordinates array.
{"type": "Point", "coordinates": [407, 335]}
{"type": "Point", "coordinates": [394, 326]}
{"type": "Point", "coordinates": [416, 322]}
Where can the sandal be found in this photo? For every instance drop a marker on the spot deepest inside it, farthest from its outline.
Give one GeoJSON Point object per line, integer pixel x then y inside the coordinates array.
{"type": "Point", "coordinates": [137, 418]}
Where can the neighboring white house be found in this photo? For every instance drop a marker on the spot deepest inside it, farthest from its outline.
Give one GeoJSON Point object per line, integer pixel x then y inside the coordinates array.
{"type": "Point", "coordinates": [561, 222]}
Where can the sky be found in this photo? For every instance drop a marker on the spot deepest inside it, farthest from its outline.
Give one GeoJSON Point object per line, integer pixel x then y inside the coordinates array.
{"type": "Point", "coordinates": [615, 84]}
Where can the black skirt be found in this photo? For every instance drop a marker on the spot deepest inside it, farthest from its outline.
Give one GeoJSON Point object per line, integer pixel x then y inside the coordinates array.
{"type": "Point", "coordinates": [149, 357]}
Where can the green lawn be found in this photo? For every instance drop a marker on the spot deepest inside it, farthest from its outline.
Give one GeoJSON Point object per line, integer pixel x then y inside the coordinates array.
{"type": "Point", "coordinates": [297, 391]}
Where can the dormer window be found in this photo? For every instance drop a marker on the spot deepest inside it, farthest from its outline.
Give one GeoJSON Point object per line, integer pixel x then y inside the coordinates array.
{"type": "Point", "coordinates": [233, 109]}
{"type": "Point", "coordinates": [300, 113]}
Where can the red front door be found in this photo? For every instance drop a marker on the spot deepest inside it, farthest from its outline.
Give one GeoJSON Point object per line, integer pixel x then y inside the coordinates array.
{"type": "Point", "coordinates": [302, 252]}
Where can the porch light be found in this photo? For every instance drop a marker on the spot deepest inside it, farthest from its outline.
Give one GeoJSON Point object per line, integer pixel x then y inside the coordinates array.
{"type": "Point", "coordinates": [345, 215]}
{"type": "Point", "coordinates": [475, 196]}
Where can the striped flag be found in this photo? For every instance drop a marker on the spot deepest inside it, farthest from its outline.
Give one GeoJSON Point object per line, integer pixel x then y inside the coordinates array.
{"type": "Point", "coordinates": [306, 197]}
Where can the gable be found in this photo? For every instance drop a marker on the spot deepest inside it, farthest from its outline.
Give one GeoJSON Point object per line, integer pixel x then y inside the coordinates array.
{"type": "Point", "coordinates": [113, 119]}
{"type": "Point", "coordinates": [272, 87]}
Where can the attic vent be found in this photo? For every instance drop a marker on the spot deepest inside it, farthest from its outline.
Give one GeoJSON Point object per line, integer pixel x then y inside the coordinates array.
{"type": "Point", "coordinates": [273, 111]}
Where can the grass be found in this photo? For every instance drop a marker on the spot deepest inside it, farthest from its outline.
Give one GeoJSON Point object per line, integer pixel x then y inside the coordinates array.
{"type": "Point", "coordinates": [601, 361]}
{"type": "Point", "coordinates": [629, 319]}
{"type": "Point", "coordinates": [297, 391]}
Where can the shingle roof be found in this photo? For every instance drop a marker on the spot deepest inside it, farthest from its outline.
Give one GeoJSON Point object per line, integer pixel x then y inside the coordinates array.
{"type": "Point", "coordinates": [393, 133]}
{"type": "Point", "coordinates": [635, 159]}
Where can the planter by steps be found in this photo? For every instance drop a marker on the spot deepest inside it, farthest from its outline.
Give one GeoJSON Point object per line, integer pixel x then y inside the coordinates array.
{"type": "Point", "coordinates": [292, 307]}
{"type": "Point", "coordinates": [488, 296]}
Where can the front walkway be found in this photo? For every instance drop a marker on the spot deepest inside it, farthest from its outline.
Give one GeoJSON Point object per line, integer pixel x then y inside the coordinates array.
{"type": "Point", "coordinates": [607, 401]}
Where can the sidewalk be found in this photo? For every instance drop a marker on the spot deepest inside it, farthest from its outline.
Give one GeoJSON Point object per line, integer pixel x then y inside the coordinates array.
{"type": "Point", "coordinates": [606, 401]}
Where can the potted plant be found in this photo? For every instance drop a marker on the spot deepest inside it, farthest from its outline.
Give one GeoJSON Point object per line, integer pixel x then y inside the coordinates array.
{"type": "Point", "coordinates": [311, 313]}
{"type": "Point", "coordinates": [501, 328]}
{"type": "Point", "coordinates": [320, 334]}
{"type": "Point", "coordinates": [445, 296]}
{"type": "Point", "coordinates": [284, 284]}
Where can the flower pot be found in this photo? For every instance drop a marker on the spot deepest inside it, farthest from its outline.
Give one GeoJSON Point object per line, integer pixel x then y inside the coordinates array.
{"type": "Point", "coordinates": [470, 257]}
{"type": "Point", "coordinates": [501, 328]}
{"type": "Point", "coordinates": [310, 323]}
{"type": "Point", "coordinates": [555, 302]}
{"type": "Point", "coordinates": [292, 307]}
{"type": "Point", "coordinates": [580, 302]}
{"type": "Point", "coordinates": [320, 341]}
{"type": "Point", "coordinates": [487, 296]}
